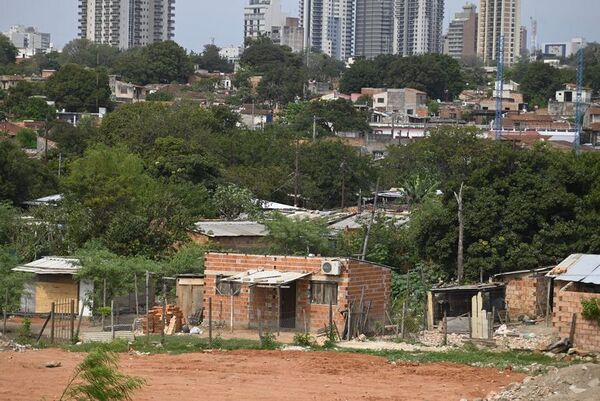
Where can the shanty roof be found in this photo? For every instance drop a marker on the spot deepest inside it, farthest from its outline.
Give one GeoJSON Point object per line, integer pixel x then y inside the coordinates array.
{"type": "Point", "coordinates": [268, 205]}
{"type": "Point", "coordinates": [357, 221]}
{"type": "Point", "coordinates": [270, 278]}
{"type": "Point", "coordinates": [469, 287]}
{"type": "Point", "coordinates": [519, 272]}
{"type": "Point", "coordinates": [578, 267]}
{"type": "Point", "coordinates": [231, 228]}
{"type": "Point", "coordinates": [52, 199]}
{"type": "Point", "coordinates": [50, 265]}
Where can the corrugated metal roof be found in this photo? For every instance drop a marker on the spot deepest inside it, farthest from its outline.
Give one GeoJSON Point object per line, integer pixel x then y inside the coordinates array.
{"type": "Point", "coordinates": [266, 277]}
{"type": "Point", "coordinates": [357, 221]}
{"type": "Point", "coordinates": [50, 265]}
{"type": "Point", "coordinates": [581, 268]}
{"type": "Point", "coordinates": [231, 228]}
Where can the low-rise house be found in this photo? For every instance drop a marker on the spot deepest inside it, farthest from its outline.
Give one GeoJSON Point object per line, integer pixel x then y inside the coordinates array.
{"type": "Point", "coordinates": [406, 102]}
{"type": "Point", "coordinates": [10, 81]}
{"type": "Point", "coordinates": [55, 280]}
{"type": "Point", "coordinates": [576, 279]}
{"type": "Point", "coordinates": [528, 292]}
{"type": "Point", "coordinates": [533, 121]}
{"type": "Point", "coordinates": [234, 235]}
{"type": "Point", "coordinates": [254, 117]}
{"type": "Point", "coordinates": [126, 92]}
{"type": "Point", "coordinates": [293, 292]}
{"type": "Point", "coordinates": [510, 92]}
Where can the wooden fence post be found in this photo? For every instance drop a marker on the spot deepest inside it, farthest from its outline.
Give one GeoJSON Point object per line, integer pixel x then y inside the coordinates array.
{"type": "Point", "coordinates": [72, 320]}
{"type": "Point", "coordinates": [210, 322]}
{"type": "Point", "coordinates": [164, 313]}
{"type": "Point", "coordinates": [52, 318]}
{"type": "Point", "coordinates": [112, 318]}
{"type": "Point", "coordinates": [572, 333]}
{"type": "Point", "coordinates": [4, 312]}
{"type": "Point", "coordinates": [445, 329]}
{"type": "Point", "coordinates": [147, 307]}
{"type": "Point", "coordinates": [260, 335]}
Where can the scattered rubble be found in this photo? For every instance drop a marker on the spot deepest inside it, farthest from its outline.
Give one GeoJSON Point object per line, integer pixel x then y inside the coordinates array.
{"type": "Point", "coordinates": [9, 345]}
{"type": "Point", "coordinates": [573, 383]}
{"type": "Point", "coordinates": [53, 364]}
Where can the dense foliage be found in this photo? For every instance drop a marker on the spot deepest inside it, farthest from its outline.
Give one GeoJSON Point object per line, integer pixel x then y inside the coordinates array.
{"type": "Point", "coordinates": [438, 75]}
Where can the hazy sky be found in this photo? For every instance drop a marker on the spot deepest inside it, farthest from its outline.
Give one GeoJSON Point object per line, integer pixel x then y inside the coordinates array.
{"type": "Point", "coordinates": [198, 21]}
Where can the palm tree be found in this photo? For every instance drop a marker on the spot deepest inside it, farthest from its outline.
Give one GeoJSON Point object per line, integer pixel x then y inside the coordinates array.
{"type": "Point", "coordinates": [416, 189]}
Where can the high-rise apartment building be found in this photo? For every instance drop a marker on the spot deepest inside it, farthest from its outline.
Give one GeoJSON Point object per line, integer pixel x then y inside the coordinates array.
{"type": "Point", "coordinates": [499, 18]}
{"type": "Point", "coordinates": [126, 23]}
{"type": "Point", "coordinates": [28, 40]}
{"type": "Point", "coordinates": [418, 26]}
{"type": "Point", "coordinates": [461, 39]}
{"type": "Point", "coordinates": [260, 16]}
{"type": "Point", "coordinates": [524, 51]}
{"type": "Point", "coordinates": [329, 26]}
{"type": "Point", "coordinates": [374, 29]}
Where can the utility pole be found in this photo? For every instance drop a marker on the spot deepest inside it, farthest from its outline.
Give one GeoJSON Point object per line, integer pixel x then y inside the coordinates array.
{"type": "Point", "coordinates": [314, 132]}
{"type": "Point", "coordinates": [343, 168]}
{"type": "Point", "coordinates": [579, 100]}
{"type": "Point", "coordinates": [296, 172]}
{"type": "Point", "coordinates": [366, 243]}
{"type": "Point", "coordinates": [461, 228]}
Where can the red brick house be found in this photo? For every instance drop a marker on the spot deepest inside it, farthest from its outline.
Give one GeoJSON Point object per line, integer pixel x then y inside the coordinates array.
{"type": "Point", "coordinates": [293, 292]}
{"type": "Point", "coordinates": [575, 278]}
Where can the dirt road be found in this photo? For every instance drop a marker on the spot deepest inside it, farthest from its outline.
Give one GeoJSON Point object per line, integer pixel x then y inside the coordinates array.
{"type": "Point", "coordinates": [258, 375]}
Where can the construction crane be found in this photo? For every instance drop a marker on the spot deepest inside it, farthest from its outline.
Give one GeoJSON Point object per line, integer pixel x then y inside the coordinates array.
{"type": "Point", "coordinates": [499, 85]}
{"type": "Point", "coordinates": [579, 100]}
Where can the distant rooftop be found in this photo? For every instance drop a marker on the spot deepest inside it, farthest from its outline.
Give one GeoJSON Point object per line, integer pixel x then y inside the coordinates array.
{"type": "Point", "coordinates": [219, 228]}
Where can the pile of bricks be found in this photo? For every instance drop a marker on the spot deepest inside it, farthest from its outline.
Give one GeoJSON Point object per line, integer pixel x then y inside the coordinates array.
{"type": "Point", "coordinates": [154, 323]}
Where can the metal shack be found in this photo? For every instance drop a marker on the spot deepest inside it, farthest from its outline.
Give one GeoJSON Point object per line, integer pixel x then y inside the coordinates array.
{"type": "Point", "coordinates": [55, 280]}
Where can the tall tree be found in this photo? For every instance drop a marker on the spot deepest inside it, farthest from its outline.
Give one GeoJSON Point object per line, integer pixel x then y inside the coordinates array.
{"type": "Point", "coordinates": [8, 51]}
{"type": "Point", "coordinates": [87, 53]}
{"type": "Point", "coordinates": [21, 178]}
{"type": "Point", "coordinates": [211, 60]}
{"type": "Point", "coordinates": [76, 88]}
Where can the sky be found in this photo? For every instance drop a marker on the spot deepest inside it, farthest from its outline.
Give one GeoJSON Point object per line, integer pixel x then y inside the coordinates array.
{"type": "Point", "coordinates": [198, 22]}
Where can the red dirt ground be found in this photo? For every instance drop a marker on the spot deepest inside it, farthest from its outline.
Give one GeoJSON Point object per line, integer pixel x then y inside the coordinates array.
{"type": "Point", "coordinates": [258, 375]}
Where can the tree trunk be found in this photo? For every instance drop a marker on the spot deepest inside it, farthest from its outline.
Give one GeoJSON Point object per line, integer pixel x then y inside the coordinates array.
{"type": "Point", "coordinates": [461, 228]}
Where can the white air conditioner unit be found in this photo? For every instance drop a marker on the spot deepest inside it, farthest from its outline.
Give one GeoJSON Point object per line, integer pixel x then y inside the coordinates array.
{"type": "Point", "coordinates": [331, 267]}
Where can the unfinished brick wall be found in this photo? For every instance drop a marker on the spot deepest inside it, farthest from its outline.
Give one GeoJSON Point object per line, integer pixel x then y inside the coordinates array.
{"type": "Point", "coordinates": [525, 295]}
{"type": "Point", "coordinates": [568, 302]}
{"type": "Point", "coordinates": [376, 282]}
{"type": "Point", "coordinates": [355, 275]}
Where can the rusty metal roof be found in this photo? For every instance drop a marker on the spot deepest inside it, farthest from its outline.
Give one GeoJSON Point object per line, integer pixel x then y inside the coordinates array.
{"type": "Point", "coordinates": [581, 268]}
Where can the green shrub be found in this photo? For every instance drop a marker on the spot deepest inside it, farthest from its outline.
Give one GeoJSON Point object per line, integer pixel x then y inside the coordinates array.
{"type": "Point", "coordinates": [590, 309]}
{"type": "Point", "coordinates": [331, 338]}
{"type": "Point", "coordinates": [27, 138]}
{"type": "Point", "coordinates": [267, 341]}
{"type": "Point", "coordinates": [24, 332]}
{"type": "Point", "coordinates": [303, 339]}
{"type": "Point", "coordinates": [98, 379]}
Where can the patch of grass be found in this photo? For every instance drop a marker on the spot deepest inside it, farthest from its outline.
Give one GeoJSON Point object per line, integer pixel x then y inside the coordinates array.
{"type": "Point", "coordinates": [469, 356]}
{"type": "Point", "coordinates": [173, 345]}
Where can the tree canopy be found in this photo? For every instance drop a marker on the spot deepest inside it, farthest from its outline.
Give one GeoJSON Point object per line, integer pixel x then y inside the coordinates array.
{"type": "Point", "coordinates": [76, 88]}
{"type": "Point", "coordinates": [438, 75]}
{"type": "Point", "coordinates": [8, 51]}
